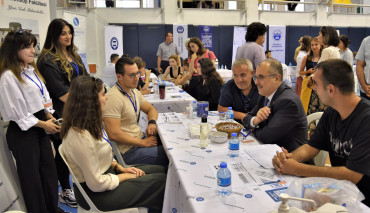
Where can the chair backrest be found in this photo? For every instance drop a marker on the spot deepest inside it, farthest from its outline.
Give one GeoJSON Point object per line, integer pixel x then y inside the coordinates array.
{"type": "Point", "coordinates": [118, 154]}
{"type": "Point", "coordinates": [322, 156]}
{"type": "Point", "coordinates": [74, 179]}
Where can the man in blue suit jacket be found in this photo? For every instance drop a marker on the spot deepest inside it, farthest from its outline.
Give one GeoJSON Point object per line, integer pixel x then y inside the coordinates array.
{"type": "Point", "coordinates": [279, 117]}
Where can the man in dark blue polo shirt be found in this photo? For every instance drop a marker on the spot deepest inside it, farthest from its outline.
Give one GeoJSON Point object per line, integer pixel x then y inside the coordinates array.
{"type": "Point", "coordinates": [241, 92]}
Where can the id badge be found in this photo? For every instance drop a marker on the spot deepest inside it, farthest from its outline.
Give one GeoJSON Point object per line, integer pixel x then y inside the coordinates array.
{"type": "Point", "coordinates": [47, 103]}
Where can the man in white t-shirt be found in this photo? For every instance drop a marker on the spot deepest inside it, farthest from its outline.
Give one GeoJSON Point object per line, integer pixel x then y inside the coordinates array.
{"type": "Point", "coordinates": [109, 73]}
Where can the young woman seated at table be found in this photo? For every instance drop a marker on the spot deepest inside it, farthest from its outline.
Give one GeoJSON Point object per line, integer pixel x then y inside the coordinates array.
{"type": "Point", "coordinates": [174, 70]}
{"type": "Point", "coordinates": [144, 79]}
{"type": "Point", "coordinates": [210, 83]}
{"type": "Point", "coordinates": [89, 154]}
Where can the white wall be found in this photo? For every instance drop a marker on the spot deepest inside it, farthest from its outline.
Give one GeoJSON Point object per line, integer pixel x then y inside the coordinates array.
{"type": "Point", "coordinates": [169, 14]}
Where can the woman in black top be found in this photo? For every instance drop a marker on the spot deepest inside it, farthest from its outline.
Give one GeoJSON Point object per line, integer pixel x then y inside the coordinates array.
{"type": "Point", "coordinates": [210, 83]}
{"type": "Point", "coordinates": [59, 63]}
{"type": "Point", "coordinates": [174, 70]}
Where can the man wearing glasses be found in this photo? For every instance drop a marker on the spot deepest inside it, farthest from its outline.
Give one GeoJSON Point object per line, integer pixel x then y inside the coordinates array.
{"type": "Point", "coordinates": [279, 117]}
{"type": "Point", "coordinates": [241, 92]}
{"type": "Point", "coordinates": [343, 131]}
{"type": "Point", "coordinates": [121, 117]}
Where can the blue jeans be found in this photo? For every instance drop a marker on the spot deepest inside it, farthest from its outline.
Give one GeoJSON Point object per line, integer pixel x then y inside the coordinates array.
{"type": "Point", "coordinates": [146, 155]}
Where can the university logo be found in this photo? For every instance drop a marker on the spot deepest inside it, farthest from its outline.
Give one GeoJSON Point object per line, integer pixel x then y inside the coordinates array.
{"type": "Point", "coordinates": [277, 35]}
{"type": "Point", "coordinates": [114, 43]}
{"type": "Point", "coordinates": [76, 22]}
{"type": "Point", "coordinates": [180, 29]}
{"type": "Point", "coordinates": [206, 29]}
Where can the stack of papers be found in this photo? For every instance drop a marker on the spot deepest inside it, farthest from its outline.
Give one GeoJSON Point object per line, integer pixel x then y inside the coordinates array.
{"type": "Point", "coordinates": [263, 154]}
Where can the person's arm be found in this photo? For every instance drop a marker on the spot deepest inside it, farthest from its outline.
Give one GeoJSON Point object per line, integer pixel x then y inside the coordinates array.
{"type": "Point", "coordinates": [237, 115]}
{"type": "Point", "coordinates": [147, 79]}
{"type": "Point", "coordinates": [361, 76]}
{"type": "Point", "coordinates": [213, 58]}
{"type": "Point", "coordinates": [302, 68]}
{"type": "Point", "coordinates": [152, 115]}
{"type": "Point", "coordinates": [166, 73]}
{"type": "Point", "coordinates": [126, 173]}
{"type": "Point", "coordinates": [178, 60]}
{"type": "Point", "coordinates": [260, 55]}
{"type": "Point", "coordinates": [191, 64]}
{"type": "Point", "coordinates": [184, 78]}
{"type": "Point", "coordinates": [159, 64]}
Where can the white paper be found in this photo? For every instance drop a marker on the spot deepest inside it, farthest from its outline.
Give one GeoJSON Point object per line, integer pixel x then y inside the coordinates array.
{"type": "Point", "coordinates": [261, 153]}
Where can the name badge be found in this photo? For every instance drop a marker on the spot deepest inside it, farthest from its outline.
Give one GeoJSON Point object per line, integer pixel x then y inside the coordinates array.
{"type": "Point", "coordinates": [47, 103]}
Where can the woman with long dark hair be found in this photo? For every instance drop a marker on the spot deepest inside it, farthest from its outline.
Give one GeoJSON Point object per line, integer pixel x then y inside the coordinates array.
{"type": "Point", "coordinates": [59, 63]}
{"type": "Point", "coordinates": [89, 154]}
{"type": "Point", "coordinates": [25, 102]}
{"type": "Point", "coordinates": [210, 83]}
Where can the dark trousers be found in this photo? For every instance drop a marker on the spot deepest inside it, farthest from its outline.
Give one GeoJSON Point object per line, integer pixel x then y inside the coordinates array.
{"type": "Point", "coordinates": [364, 95]}
{"type": "Point", "coordinates": [164, 65]}
{"type": "Point", "coordinates": [62, 169]}
{"type": "Point", "coordinates": [35, 166]}
{"type": "Point", "coordinates": [145, 191]}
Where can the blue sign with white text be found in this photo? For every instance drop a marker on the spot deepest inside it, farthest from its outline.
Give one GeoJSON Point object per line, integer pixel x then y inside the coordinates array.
{"type": "Point", "coordinates": [206, 36]}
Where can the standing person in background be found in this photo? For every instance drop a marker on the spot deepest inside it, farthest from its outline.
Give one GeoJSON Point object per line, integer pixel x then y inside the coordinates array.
{"type": "Point", "coordinates": [345, 53]}
{"type": "Point", "coordinates": [59, 63]}
{"type": "Point", "coordinates": [305, 47]}
{"type": "Point", "coordinates": [252, 49]}
{"type": "Point", "coordinates": [109, 73]}
{"type": "Point", "coordinates": [143, 85]}
{"type": "Point", "coordinates": [210, 83]}
{"type": "Point", "coordinates": [165, 50]}
{"type": "Point", "coordinates": [174, 70]}
{"type": "Point", "coordinates": [297, 49]}
{"type": "Point", "coordinates": [25, 102]}
{"type": "Point", "coordinates": [362, 68]}
{"type": "Point", "coordinates": [308, 67]}
{"type": "Point", "coordinates": [268, 54]}
{"type": "Point", "coordinates": [329, 39]}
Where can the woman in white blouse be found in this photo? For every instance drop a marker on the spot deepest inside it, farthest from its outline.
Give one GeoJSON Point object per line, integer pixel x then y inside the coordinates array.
{"type": "Point", "coordinates": [89, 154]}
{"type": "Point", "coordinates": [25, 102]}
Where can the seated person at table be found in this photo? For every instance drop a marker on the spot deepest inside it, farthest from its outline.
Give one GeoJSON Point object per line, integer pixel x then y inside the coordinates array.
{"type": "Point", "coordinates": [279, 117]}
{"type": "Point", "coordinates": [89, 155]}
{"type": "Point", "coordinates": [144, 78]}
{"type": "Point", "coordinates": [121, 117]}
{"type": "Point", "coordinates": [241, 92]}
{"type": "Point", "coordinates": [174, 70]}
{"type": "Point", "coordinates": [181, 80]}
{"type": "Point", "coordinates": [210, 83]}
{"type": "Point", "coordinates": [343, 131]}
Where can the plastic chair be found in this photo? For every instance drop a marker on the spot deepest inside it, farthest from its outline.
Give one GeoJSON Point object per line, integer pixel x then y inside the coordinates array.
{"type": "Point", "coordinates": [118, 155]}
{"type": "Point", "coordinates": [322, 156]}
{"type": "Point", "coordinates": [89, 202]}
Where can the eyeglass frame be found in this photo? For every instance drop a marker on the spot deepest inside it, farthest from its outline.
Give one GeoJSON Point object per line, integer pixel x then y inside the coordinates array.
{"type": "Point", "coordinates": [260, 78]}
{"type": "Point", "coordinates": [132, 75]}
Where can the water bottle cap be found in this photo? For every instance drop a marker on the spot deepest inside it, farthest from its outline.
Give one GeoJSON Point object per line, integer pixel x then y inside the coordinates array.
{"type": "Point", "coordinates": [194, 101]}
{"type": "Point", "coordinates": [234, 134]}
{"type": "Point", "coordinates": [223, 165]}
{"type": "Point", "coordinates": [204, 119]}
{"type": "Point", "coordinates": [230, 108]}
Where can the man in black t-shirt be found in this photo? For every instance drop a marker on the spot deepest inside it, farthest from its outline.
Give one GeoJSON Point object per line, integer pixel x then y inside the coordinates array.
{"type": "Point", "coordinates": [241, 92]}
{"type": "Point", "coordinates": [343, 131]}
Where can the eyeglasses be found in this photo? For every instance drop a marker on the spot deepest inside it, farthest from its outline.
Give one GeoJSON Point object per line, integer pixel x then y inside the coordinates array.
{"type": "Point", "coordinates": [261, 77]}
{"type": "Point", "coordinates": [133, 75]}
{"type": "Point", "coordinates": [20, 31]}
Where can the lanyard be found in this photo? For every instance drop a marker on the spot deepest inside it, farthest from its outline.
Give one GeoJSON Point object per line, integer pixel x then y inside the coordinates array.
{"type": "Point", "coordinates": [105, 137]}
{"type": "Point", "coordinates": [246, 104]}
{"type": "Point", "coordinates": [75, 66]}
{"type": "Point", "coordinates": [125, 93]}
{"type": "Point", "coordinates": [39, 86]}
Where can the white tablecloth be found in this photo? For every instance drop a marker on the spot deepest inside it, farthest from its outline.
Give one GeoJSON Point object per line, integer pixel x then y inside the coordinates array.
{"type": "Point", "coordinates": [191, 180]}
{"type": "Point", "coordinates": [176, 99]}
{"type": "Point", "coordinates": [225, 74]}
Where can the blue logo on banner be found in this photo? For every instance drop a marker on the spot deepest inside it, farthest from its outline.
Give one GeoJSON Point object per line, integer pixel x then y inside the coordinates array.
{"type": "Point", "coordinates": [206, 29]}
{"type": "Point", "coordinates": [206, 36]}
{"type": "Point", "coordinates": [248, 195]}
{"type": "Point", "coordinates": [180, 29]}
{"type": "Point", "coordinates": [174, 210]}
{"type": "Point", "coordinates": [193, 163]}
{"type": "Point", "coordinates": [114, 43]}
{"type": "Point", "coordinates": [277, 35]}
{"type": "Point", "coordinates": [200, 199]}
{"type": "Point", "coordinates": [76, 22]}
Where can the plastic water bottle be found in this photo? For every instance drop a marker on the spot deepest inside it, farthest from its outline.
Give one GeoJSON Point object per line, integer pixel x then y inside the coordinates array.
{"type": "Point", "coordinates": [234, 145]}
{"type": "Point", "coordinates": [204, 132]}
{"type": "Point", "coordinates": [195, 107]}
{"type": "Point", "coordinates": [230, 113]}
{"type": "Point", "coordinates": [190, 111]}
{"type": "Point", "coordinates": [222, 66]}
{"type": "Point", "coordinates": [156, 88]}
{"type": "Point", "coordinates": [223, 180]}
{"type": "Point", "coordinates": [216, 64]}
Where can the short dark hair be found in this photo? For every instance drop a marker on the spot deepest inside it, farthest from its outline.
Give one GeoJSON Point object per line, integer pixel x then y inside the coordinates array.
{"type": "Point", "coordinates": [330, 35]}
{"type": "Point", "coordinates": [120, 64]}
{"type": "Point", "coordinates": [345, 40]}
{"type": "Point", "coordinates": [167, 34]}
{"type": "Point", "coordinates": [254, 30]}
{"type": "Point", "coordinates": [267, 51]}
{"type": "Point", "coordinates": [275, 67]}
{"type": "Point", "coordinates": [338, 73]}
{"type": "Point", "coordinates": [306, 43]}
{"type": "Point", "coordinates": [113, 57]}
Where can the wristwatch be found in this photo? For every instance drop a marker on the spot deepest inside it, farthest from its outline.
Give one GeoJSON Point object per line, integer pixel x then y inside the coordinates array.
{"type": "Point", "coordinates": [152, 122]}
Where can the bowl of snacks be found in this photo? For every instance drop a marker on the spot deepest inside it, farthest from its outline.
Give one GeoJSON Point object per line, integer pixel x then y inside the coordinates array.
{"type": "Point", "coordinates": [229, 127]}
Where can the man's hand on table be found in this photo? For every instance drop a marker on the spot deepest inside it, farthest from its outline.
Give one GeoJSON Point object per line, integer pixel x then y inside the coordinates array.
{"type": "Point", "coordinates": [151, 129]}
{"type": "Point", "coordinates": [283, 162]}
{"type": "Point", "coordinates": [262, 115]}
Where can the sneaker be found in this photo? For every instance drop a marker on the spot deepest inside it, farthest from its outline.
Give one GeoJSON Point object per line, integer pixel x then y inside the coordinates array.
{"type": "Point", "coordinates": [69, 198]}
